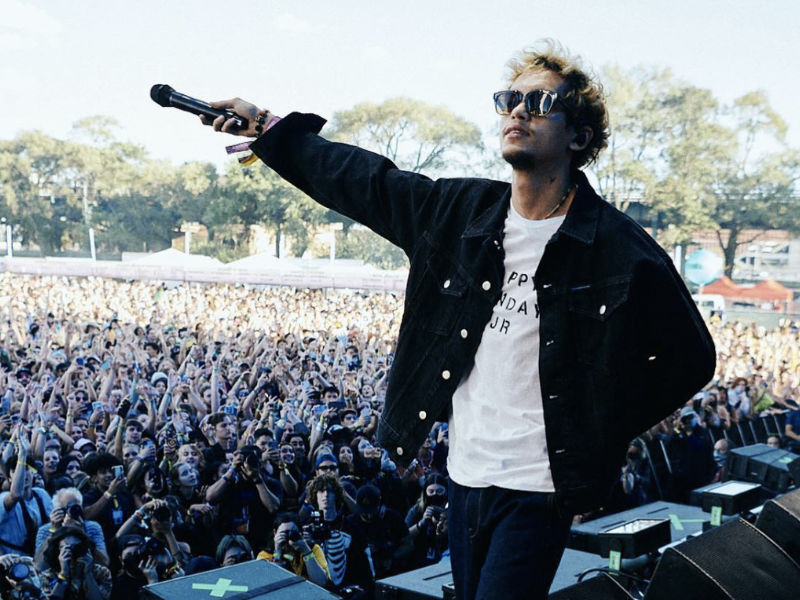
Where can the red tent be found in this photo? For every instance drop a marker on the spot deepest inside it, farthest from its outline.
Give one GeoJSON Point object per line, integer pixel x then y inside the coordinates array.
{"type": "Point", "coordinates": [768, 290]}
{"type": "Point", "coordinates": [724, 287]}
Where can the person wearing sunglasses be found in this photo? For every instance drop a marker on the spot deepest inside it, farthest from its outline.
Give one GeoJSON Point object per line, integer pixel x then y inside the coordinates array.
{"type": "Point", "coordinates": [536, 317]}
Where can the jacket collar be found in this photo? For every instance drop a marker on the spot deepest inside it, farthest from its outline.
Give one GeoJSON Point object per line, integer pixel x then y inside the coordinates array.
{"type": "Point", "coordinates": [583, 214]}
{"type": "Point", "coordinates": [580, 222]}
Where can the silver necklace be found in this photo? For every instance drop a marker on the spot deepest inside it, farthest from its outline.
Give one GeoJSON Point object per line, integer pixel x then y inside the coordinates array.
{"type": "Point", "coordinates": [560, 202]}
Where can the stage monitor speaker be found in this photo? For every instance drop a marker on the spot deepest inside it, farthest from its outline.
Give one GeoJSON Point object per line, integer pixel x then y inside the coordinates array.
{"type": "Point", "coordinates": [780, 520]}
{"type": "Point", "coordinates": [251, 580]}
{"type": "Point", "coordinates": [735, 561]}
{"type": "Point", "coordinates": [794, 471]}
{"type": "Point", "coordinates": [426, 583]}
{"type": "Point", "coordinates": [771, 469]}
{"type": "Point", "coordinates": [602, 587]}
{"type": "Point", "coordinates": [740, 458]}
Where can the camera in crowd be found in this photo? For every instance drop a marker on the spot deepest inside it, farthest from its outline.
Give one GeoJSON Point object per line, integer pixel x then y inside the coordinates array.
{"type": "Point", "coordinates": [20, 580]}
{"type": "Point", "coordinates": [317, 528]}
{"type": "Point", "coordinates": [162, 514]}
{"type": "Point", "coordinates": [74, 511]}
{"type": "Point", "coordinates": [17, 573]}
{"type": "Point", "coordinates": [252, 461]}
{"type": "Point", "coordinates": [155, 549]}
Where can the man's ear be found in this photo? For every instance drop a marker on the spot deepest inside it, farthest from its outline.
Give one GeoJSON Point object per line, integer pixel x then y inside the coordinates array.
{"type": "Point", "coordinates": [581, 139]}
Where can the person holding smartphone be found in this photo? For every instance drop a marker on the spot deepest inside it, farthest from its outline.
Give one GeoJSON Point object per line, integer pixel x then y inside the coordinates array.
{"type": "Point", "coordinates": [107, 499]}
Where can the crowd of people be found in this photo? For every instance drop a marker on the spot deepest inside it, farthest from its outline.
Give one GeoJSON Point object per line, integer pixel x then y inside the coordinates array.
{"type": "Point", "coordinates": [153, 431]}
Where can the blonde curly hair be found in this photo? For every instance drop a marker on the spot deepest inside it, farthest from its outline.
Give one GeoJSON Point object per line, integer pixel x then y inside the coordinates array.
{"type": "Point", "coordinates": [584, 97]}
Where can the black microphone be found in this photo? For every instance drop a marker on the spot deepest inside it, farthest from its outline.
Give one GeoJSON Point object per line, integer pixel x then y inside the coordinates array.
{"type": "Point", "coordinates": [164, 95]}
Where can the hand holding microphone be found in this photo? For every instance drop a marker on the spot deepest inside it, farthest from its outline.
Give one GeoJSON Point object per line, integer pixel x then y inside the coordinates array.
{"type": "Point", "coordinates": [235, 116]}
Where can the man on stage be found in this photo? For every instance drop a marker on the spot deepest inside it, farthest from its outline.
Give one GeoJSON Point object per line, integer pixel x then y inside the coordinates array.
{"type": "Point", "coordinates": [547, 327]}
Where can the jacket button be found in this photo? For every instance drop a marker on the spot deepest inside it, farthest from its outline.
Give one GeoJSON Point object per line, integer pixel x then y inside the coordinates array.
{"type": "Point", "coordinates": [651, 357]}
{"type": "Point", "coordinates": [464, 333]}
{"type": "Point", "coordinates": [548, 342]}
{"type": "Point", "coordinates": [486, 286]}
{"type": "Point", "coordinates": [446, 284]}
{"type": "Point", "coordinates": [399, 451]}
{"type": "Point", "coordinates": [423, 415]}
{"type": "Point", "coordinates": [445, 374]}
{"type": "Point", "coordinates": [603, 309]}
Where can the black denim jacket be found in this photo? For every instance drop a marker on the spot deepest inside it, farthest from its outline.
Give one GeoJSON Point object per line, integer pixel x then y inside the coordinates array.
{"type": "Point", "coordinates": [621, 342]}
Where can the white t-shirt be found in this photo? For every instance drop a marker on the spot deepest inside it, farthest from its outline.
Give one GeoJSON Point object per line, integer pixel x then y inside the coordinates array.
{"type": "Point", "coordinates": [497, 426]}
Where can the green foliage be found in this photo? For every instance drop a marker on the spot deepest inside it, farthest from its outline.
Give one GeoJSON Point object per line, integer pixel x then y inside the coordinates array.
{"type": "Point", "coordinates": [692, 162]}
{"type": "Point", "coordinates": [257, 195]}
{"type": "Point", "coordinates": [358, 242]}
{"type": "Point", "coordinates": [695, 164]}
{"type": "Point", "coordinates": [416, 136]}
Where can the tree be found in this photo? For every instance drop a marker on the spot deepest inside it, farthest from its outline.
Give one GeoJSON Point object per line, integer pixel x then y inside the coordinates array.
{"type": "Point", "coordinates": [627, 169]}
{"type": "Point", "coordinates": [359, 242]}
{"type": "Point", "coordinates": [256, 195]}
{"type": "Point", "coordinates": [38, 195]}
{"type": "Point", "coordinates": [695, 145]}
{"type": "Point", "coordinates": [695, 164]}
{"type": "Point", "coordinates": [755, 191]}
{"type": "Point", "coordinates": [107, 172]}
{"type": "Point", "coordinates": [414, 135]}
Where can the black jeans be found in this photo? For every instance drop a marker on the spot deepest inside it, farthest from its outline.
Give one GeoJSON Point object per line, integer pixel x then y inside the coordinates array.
{"type": "Point", "coordinates": [504, 544]}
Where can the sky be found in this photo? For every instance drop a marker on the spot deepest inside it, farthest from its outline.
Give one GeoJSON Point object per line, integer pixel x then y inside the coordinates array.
{"type": "Point", "coordinates": [62, 61]}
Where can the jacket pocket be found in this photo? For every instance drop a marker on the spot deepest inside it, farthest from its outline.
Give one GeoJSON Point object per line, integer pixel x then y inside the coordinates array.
{"type": "Point", "coordinates": [599, 301]}
{"type": "Point", "coordinates": [448, 287]}
{"type": "Point", "coordinates": [600, 320]}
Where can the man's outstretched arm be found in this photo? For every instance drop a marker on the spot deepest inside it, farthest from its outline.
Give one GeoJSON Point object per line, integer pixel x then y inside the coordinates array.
{"type": "Point", "coordinates": [367, 187]}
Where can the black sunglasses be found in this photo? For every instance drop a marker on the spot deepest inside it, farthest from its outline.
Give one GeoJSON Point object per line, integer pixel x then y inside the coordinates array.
{"type": "Point", "coordinates": [538, 103]}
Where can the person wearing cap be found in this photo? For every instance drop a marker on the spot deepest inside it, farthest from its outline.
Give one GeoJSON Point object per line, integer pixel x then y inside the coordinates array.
{"type": "Point", "coordinates": [84, 446]}
{"type": "Point", "coordinates": [159, 381]}
{"type": "Point", "coordinates": [382, 528]}
{"type": "Point", "coordinates": [107, 499]}
{"type": "Point", "coordinates": [690, 453]}
{"type": "Point", "coordinates": [636, 486]}
{"type": "Point", "coordinates": [326, 463]}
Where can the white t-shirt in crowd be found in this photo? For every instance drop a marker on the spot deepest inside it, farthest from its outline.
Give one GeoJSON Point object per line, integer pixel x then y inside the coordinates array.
{"type": "Point", "coordinates": [497, 426]}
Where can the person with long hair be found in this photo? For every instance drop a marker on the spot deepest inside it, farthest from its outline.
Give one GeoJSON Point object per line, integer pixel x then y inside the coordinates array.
{"type": "Point", "coordinates": [196, 523]}
{"type": "Point", "coordinates": [427, 522]}
{"type": "Point", "coordinates": [69, 571]}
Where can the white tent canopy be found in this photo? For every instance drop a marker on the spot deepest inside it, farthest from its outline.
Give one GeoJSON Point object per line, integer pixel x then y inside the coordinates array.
{"type": "Point", "coordinates": [177, 259]}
